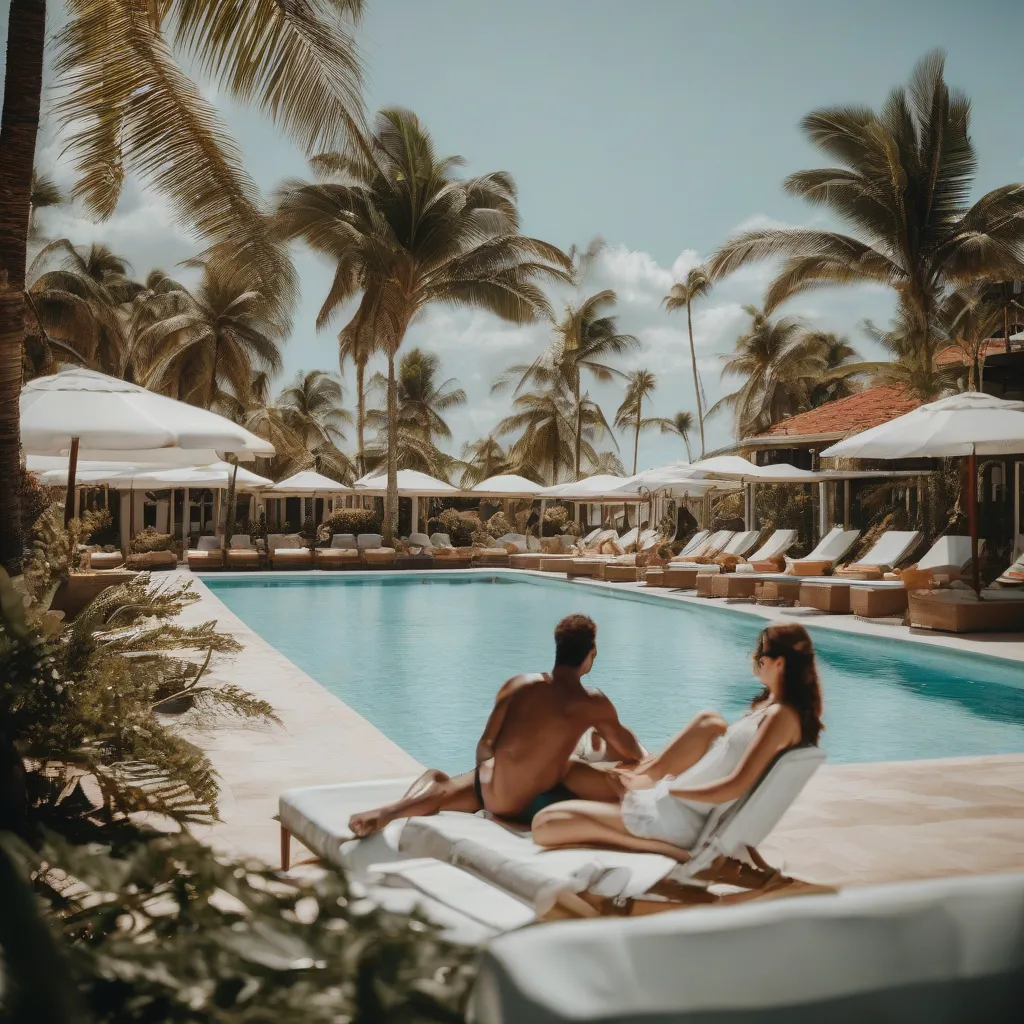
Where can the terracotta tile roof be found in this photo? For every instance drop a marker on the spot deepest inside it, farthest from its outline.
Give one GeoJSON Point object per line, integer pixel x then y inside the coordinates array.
{"type": "Point", "coordinates": [849, 415]}
{"type": "Point", "coordinates": [954, 354]}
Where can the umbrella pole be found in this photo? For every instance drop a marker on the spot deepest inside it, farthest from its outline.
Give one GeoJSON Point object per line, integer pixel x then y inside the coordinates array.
{"type": "Point", "coordinates": [972, 518]}
{"type": "Point", "coordinates": [69, 499]}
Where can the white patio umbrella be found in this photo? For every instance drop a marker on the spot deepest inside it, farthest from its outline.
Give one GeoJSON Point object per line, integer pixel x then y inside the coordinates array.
{"type": "Point", "coordinates": [80, 408]}
{"type": "Point", "coordinates": [506, 485]}
{"type": "Point", "coordinates": [966, 425]}
{"type": "Point", "coordinates": [411, 484]}
{"type": "Point", "coordinates": [309, 483]}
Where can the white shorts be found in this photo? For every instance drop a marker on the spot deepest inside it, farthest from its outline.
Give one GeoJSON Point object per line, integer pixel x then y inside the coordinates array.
{"type": "Point", "coordinates": [656, 814]}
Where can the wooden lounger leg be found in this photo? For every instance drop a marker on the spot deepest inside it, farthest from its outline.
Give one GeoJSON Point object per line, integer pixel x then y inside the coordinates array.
{"type": "Point", "coordinates": [286, 849]}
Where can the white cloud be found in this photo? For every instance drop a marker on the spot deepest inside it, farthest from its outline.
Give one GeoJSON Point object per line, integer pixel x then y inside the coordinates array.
{"type": "Point", "coordinates": [761, 222]}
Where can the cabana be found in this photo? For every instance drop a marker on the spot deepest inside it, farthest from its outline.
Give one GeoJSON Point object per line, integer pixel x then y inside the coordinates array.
{"type": "Point", "coordinates": [411, 484]}
{"type": "Point", "coordinates": [305, 484]}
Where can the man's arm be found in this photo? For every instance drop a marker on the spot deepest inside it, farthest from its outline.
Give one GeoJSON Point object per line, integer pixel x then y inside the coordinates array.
{"type": "Point", "coordinates": [492, 730]}
{"type": "Point", "coordinates": [620, 741]}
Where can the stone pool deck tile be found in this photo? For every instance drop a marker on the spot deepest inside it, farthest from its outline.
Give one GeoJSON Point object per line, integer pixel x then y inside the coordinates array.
{"type": "Point", "coordinates": [854, 824]}
{"type": "Point", "coordinates": [865, 823]}
{"type": "Point", "coordinates": [321, 740]}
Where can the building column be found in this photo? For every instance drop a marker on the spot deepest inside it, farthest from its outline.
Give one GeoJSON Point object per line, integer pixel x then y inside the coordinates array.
{"type": "Point", "coordinates": [846, 504]}
{"type": "Point", "coordinates": [822, 510]}
{"type": "Point", "coordinates": [415, 520]}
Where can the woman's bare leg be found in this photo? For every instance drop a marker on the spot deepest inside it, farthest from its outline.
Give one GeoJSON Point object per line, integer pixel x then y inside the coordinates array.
{"type": "Point", "coordinates": [682, 752]}
{"type": "Point", "coordinates": [588, 823]}
{"type": "Point", "coordinates": [440, 794]}
{"type": "Point", "coordinates": [591, 783]}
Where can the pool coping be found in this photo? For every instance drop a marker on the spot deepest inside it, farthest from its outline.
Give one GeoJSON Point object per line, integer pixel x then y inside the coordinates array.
{"type": "Point", "coordinates": [974, 644]}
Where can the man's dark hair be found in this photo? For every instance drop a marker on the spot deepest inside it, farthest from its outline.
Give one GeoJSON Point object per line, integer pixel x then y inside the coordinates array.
{"type": "Point", "coordinates": [574, 640]}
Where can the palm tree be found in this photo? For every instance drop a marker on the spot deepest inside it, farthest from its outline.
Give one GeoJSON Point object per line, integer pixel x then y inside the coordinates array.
{"type": "Point", "coordinates": [401, 229]}
{"type": "Point", "coordinates": [131, 108]}
{"type": "Point", "coordinates": [226, 333]}
{"type": "Point", "coordinates": [482, 459]}
{"type": "Point", "coordinates": [546, 426]}
{"type": "Point", "coordinates": [421, 398]}
{"type": "Point", "coordinates": [681, 424]}
{"type": "Point", "coordinates": [46, 193]}
{"type": "Point", "coordinates": [969, 317]}
{"type": "Point", "coordinates": [840, 366]}
{"type": "Point", "coordinates": [312, 406]}
{"type": "Point", "coordinates": [904, 186]}
{"type": "Point", "coordinates": [779, 367]}
{"type": "Point", "coordinates": [683, 294]}
{"type": "Point", "coordinates": [356, 344]}
{"type": "Point", "coordinates": [583, 339]}
{"type": "Point", "coordinates": [641, 384]}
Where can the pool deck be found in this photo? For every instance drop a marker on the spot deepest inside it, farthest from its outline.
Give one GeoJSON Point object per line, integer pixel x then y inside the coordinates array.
{"type": "Point", "coordinates": [854, 824]}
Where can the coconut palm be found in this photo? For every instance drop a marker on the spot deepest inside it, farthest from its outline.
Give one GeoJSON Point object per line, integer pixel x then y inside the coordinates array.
{"type": "Point", "coordinates": [85, 306]}
{"type": "Point", "coordinates": [904, 186]}
{"type": "Point", "coordinates": [226, 333]}
{"type": "Point", "coordinates": [683, 294]}
{"type": "Point", "coordinates": [630, 415]}
{"type": "Point", "coordinates": [356, 344]}
{"type": "Point", "coordinates": [778, 366]}
{"type": "Point", "coordinates": [840, 367]}
{"type": "Point", "coordinates": [421, 397]}
{"type": "Point", "coordinates": [46, 193]}
{"type": "Point", "coordinates": [681, 424]}
{"type": "Point", "coordinates": [585, 337]}
{"type": "Point", "coordinates": [607, 463]}
{"type": "Point", "coordinates": [130, 108]}
{"type": "Point", "coordinates": [969, 317]}
{"type": "Point", "coordinates": [312, 406]}
{"type": "Point", "coordinates": [482, 459]}
{"type": "Point", "coordinates": [403, 231]}
{"type": "Point", "coordinates": [546, 427]}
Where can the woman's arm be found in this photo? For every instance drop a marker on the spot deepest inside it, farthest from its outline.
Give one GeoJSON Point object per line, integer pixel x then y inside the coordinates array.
{"type": "Point", "coordinates": [779, 731]}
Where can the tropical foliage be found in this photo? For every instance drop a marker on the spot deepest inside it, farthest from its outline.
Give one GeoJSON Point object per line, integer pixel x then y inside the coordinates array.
{"type": "Point", "coordinates": [696, 286]}
{"type": "Point", "coordinates": [403, 231]}
{"type": "Point", "coordinates": [903, 185]}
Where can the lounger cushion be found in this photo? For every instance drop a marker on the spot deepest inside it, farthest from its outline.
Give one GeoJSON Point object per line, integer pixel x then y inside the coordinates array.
{"type": "Point", "coordinates": [208, 544]}
{"type": "Point", "coordinates": [241, 541]}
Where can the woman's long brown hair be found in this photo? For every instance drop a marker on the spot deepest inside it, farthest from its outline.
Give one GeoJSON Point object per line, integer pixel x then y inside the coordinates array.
{"type": "Point", "coordinates": [800, 688]}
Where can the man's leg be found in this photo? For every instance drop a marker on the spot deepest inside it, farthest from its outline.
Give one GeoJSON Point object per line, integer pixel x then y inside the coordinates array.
{"type": "Point", "coordinates": [456, 794]}
{"type": "Point", "coordinates": [590, 783]}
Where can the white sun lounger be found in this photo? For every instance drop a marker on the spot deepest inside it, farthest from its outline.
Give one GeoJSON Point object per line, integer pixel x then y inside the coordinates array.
{"type": "Point", "coordinates": [694, 544]}
{"type": "Point", "coordinates": [950, 555]}
{"type": "Point", "coordinates": [741, 543]}
{"type": "Point", "coordinates": [887, 552]}
{"type": "Point", "coordinates": [587, 883]}
{"type": "Point", "coordinates": [939, 951]}
{"type": "Point", "coordinates": [775, 546]}
{"type": "Point", "coordinates": [708, 549]}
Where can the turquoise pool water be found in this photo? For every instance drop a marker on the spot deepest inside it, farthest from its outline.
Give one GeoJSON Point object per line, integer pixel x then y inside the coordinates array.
{"type": "Point", "coordinates": [421, 657]}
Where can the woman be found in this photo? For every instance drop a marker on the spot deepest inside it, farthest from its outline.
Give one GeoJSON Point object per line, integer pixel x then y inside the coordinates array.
{"type": "Point", "coordinates": [668, 798]}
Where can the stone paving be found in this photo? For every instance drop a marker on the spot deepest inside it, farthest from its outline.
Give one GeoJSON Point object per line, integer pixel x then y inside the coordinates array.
{"type": "Point", "coordinates": [854, 824]}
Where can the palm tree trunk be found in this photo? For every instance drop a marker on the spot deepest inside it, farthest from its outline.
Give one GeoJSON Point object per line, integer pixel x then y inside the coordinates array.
{"type": "Point", "coordinates": [23, 84]}
{"type": "Point", "coordinates": [229, 522]}
{"type": "Point", "coordinates": [579, 436]}
{"type": "Point", "coordinates": [391, 495]}
{"type": "Point", "coordinates": [360, 415]}
{"type": "Point", "coordinates": [636, 437]}
{"type": "Point", "coordinates": [696, 379]}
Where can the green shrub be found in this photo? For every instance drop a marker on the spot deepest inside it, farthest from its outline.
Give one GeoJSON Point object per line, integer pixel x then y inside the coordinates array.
{"type": "Point", "coordinates": [149, 540]}
{"type": "Point", "coordinates": [255, 528]}
{"type": "Point", "coordinates": [349, 520]}
{"type": "Point", "coordinates": [498, 525]}
{"type": "Point", "coordinates": [460, 526]}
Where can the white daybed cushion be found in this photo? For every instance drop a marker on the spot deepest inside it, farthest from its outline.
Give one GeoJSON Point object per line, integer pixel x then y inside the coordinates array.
{"type": "Point", "coordinates": [890, 549]}
{"type": "Point", "coordinates": [741, 543]}
{"type": "Point", "coordinates": [937, 951]}
{"type": "Point", "coordinates": [777, 544]}
{"type": "Point", "coordinates": [832, 546]}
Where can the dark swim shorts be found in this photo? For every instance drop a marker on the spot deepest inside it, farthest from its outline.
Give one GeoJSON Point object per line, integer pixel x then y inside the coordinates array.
{"type": "Point", "coordinates": [555, 795]}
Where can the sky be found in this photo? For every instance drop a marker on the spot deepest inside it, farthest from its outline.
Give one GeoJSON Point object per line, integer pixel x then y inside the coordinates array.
{"type": "Point", "coordinates": [661, 125]}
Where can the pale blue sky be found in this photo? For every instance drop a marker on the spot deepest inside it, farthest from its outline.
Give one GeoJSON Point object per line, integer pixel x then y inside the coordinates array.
{"type": "Point", "coordinates": [658, 125]}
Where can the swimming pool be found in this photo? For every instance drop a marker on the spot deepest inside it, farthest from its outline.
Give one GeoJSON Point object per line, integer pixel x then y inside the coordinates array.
{"type": "Point", "coordinates": [421, 657]}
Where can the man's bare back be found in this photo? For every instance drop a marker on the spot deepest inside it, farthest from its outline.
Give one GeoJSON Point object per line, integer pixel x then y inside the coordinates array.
{"type": "Point", "coordinates": [524, 757]}
{"type": "Point", "coordinates": [533, 730]}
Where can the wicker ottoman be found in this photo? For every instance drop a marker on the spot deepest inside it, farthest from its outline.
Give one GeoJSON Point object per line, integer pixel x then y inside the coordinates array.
{"type": "Point", "coordinates": [785, 590]}
{"type": "Point", "coordinates": [732, 585]}
{"type": "Point", "coordinates": [492, 560]}
{"type": "Point", "coordinates": [686, 579]}
{"type": "Point", "coordinates": [705, 583]}
{"type": "Point", "coordinates": [620, 573]}
{"type": "Point", "coordinates": [576, 566]}
{"type": "Point", "coordinates": [878, 602]}
{"type": "Point", "coordinates": [833, 598]}
{"type": "Point", "coordinates": [655, 577]}
{"type": "Point", "coordinates": [958, 611]}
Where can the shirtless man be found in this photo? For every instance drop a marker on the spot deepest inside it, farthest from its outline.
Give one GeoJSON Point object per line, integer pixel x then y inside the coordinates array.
{"type": "Point", "coordinates": [524, 758]}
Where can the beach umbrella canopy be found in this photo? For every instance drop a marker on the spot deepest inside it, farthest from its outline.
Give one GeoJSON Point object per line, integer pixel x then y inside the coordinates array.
{"type": "Point", "coordinates": [308, 482]}
{"type": "Point", "coordinates": [966, 425]}
{"type": "Point", "coordinates": [106, 413]}
{"type": "Point", "coordinates": [217, 474]}
{"type": "Point", "coordinates": [411, 484]}
{"type": "Point", "coordinates": [507, 484]}
{"type": "Point", "coordinates": [969, 424]}
{"type": "Point", "coordinates": [80, 408]}
{"type": "Point", "coordinates": [591, 488]}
